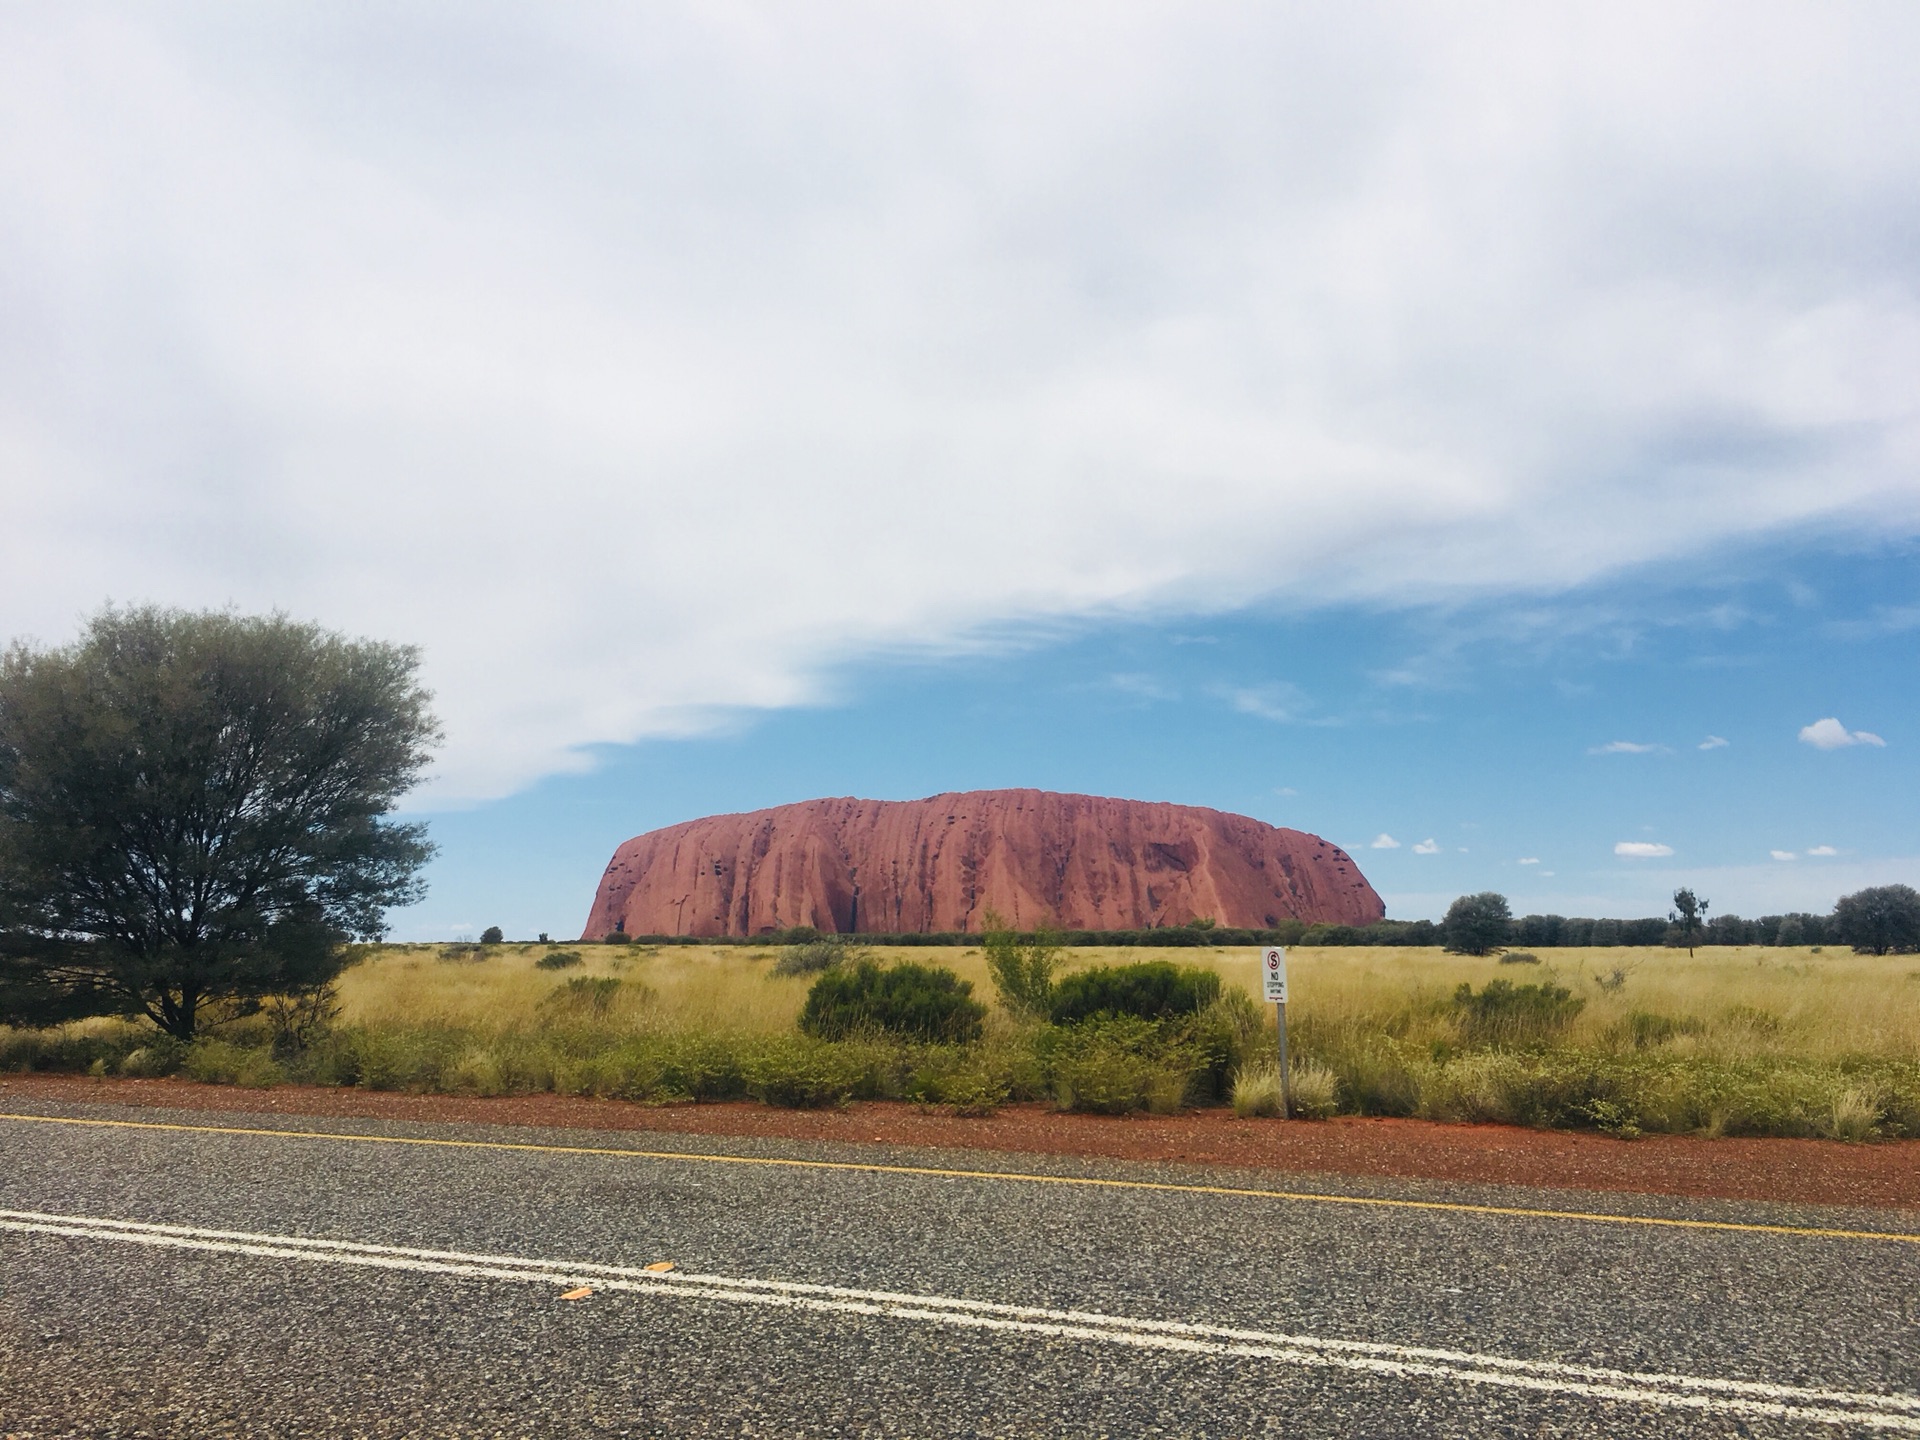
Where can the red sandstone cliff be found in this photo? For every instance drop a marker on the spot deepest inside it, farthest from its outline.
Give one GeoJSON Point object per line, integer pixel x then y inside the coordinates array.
{"type": "Point", "coordinates": [1078, 861]}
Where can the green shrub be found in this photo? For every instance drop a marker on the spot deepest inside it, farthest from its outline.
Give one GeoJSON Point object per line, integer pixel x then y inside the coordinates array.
{"type": "Point", "coordinates": [1223, 1037]}
{"type": "Point", "coordinates": [558, 960]}
{"type": "Point", "coordinates": [976, 1079]}
{"type": "Point", "coordinates": [590, 994]}
{"type": "Point", "coordinates": [1377, 1079]}
{"type": "Point", "coordinates": [218, 1062]}
{"type": "Point", "coordinates": [800, 1072]}
{"type": "Point", "coordinates": [1519, 957]}
{"type": "Point", "coordinates": [1505, 1013]}
{"type": "Point", "coordinates": [1149, 990]}
{"type": "Point", "coordinates": [1117, 1064]}
{"type": "Point", "coordinates": [62, 1049]}
{"type": "Point", "coordinates": [1022, 972]}
{"type": "Point", "coordinates": [920, 1002]}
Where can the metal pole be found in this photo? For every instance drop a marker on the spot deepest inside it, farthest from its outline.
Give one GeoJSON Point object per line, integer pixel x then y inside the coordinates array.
{"type": "Point", "coordinates": [1286, 1078]}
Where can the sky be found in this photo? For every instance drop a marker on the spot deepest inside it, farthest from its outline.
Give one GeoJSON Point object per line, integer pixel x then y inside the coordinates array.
{"type": "Point", "coordinates": [1485, 435]}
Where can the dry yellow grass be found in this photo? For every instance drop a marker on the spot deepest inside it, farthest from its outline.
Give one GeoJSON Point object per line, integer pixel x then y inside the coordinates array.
{"type": "Point", "coordinates": [1748, 1001]}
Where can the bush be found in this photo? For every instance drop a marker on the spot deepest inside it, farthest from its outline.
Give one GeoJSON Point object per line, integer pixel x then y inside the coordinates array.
{"type": "Point", "coordinates": [1151, 990]}
{"type": "Point", "coordinates": [1505, 1013]}
{"type": "Point", "coordinates": [558, 960]}
{"type": "Point", "coordinates": [1316, 1090]}
{"type": "Point", "coordinates": [921, 1002]}
{"type": "Point", "coordinates": [975, 1079]}
{"type": "Point", "coordinates": [1256, 1090]}
{"type": "Point", "coordinates": [69, 1050]}
{"type": "Point", "coordinates": [296, 1020]}
{"type": "Point", "coordinates": [799, 1073]}
{"type": "Point", "coordinates": [216, 1062]}
{"type": "Point", "coordinates": [1022, 972]}
{"type": "Point", "coordinates": [1477, 924]}
{"type": "Point", "coordinates": [817, 954]}
{"type": "Point", "coordinates": [1643, 1031]}
{"type": "Point", "coordinates": [1117, 1064]}
{"type": "Point", "coordinates": [162, 1055]}
{"type": "Point", "coordinates": [590, 994]}
{"type": "Point", "coordinates": [1378, 1079]}
{"type": "Point", "coordinates": [492, 935]}
{"type": "Point", "coordinates": [1853, 1115]}
{"type": "Point", "coordinates": [1519, 957]}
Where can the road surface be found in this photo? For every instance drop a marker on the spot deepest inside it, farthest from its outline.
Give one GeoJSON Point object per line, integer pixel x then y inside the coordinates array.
{"type": "Point", "coordinates": [174, 1273]}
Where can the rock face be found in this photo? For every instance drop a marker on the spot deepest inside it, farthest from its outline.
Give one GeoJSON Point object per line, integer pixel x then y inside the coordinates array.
{"type": "Point", "coordinates": [894, 867]}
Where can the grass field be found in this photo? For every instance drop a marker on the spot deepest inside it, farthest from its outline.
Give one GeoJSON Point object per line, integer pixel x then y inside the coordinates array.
{"type": "Point", "coordinates": [1728, 1041]}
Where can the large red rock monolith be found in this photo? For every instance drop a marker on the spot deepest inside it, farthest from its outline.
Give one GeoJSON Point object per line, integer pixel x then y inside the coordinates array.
{"type": "Point", "coordinates": [1079, 862]}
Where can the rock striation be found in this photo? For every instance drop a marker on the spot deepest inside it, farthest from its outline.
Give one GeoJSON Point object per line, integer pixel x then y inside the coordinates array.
{"type": "Point", "coordinates": [1080, 862]}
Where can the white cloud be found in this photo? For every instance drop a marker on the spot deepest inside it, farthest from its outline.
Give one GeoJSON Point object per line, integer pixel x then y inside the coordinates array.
{"type": "Point", "coordinates": [1626, 747]}
{"type": "Point", "coordinates": [646, 364]}
{"type": "Point", "coordinates": [1286, 790]}
{"type": "Point", "coordinates": [1384, 841]}
{"type": "Point", "coordinates": [1823, 850]}
{"type": "Point", "coordinates": [1830, 734]}
{"type": "Point", "coordinates": [1642, 850]}
{"type": "Point", "coordinates": [1426, 847]}
{"type": "Point", "coordinates": [1531, 860]}
{"type": "Point", "coordinates": [1713, 742]}
{"type": "Point", "coordinates": [1141, 687]}
{"type": "Point", "coordinates": [1783, 855]}
{"type": "Point", "coordinates": [1277, 701]}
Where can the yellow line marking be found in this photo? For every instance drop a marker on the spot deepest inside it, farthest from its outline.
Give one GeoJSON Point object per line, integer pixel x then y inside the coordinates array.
{"type": "Point", "coordinates": [1090, 1182]}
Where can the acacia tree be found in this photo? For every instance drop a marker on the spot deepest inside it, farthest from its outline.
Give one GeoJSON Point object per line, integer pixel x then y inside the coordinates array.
{"type": "Point", "coordinates": [193, 813]}
{"type": "Point", "coordinates": [1477, 924]}
{"type": "Point", "coordinates": [1880, 920]}
{"type": "Point", "coordinates": [1689, 913]}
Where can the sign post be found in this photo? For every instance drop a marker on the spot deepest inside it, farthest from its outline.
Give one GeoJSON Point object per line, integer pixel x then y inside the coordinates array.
{"type": "Point", "coordinates": [1273, 971]}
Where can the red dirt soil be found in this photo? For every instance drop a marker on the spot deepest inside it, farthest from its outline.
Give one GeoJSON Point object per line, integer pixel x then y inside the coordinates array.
{"type": "Point", "coordinates": [1819, 1172]}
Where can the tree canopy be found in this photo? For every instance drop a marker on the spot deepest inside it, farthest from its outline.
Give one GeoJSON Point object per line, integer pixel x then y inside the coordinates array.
{"type": "Point", "coordinates": [1477, 924]}
{"type": "Point", "coordinates": [1880, 920]}
{"type": "Point", "coordinates": [193, 812]}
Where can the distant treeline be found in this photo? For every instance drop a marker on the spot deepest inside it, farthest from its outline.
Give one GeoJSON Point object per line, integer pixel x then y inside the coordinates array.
{"type": "Point", "coordinates": [1530, 931]}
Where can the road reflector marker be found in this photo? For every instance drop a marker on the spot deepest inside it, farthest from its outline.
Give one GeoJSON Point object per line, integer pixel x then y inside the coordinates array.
{"type": "Point", "coordinates": [660, 1267]}
{"type": "Point", "coordinates": [579, 1292]}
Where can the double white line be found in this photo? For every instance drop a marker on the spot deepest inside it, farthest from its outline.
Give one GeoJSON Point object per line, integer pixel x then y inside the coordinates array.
{"type": "Point", "coordinates": [1744, 1398]}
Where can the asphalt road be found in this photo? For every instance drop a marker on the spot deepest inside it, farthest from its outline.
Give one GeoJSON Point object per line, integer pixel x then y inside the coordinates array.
{"type": "Point", "coordinates": [184, 1281]}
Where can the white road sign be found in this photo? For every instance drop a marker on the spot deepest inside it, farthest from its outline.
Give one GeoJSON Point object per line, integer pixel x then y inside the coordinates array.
{"type": "Point", "coordinates": [1273, 970]}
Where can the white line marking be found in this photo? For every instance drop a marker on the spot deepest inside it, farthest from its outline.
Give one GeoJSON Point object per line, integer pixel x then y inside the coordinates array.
{"type": "Point", "coordinates": [1691, 1392]}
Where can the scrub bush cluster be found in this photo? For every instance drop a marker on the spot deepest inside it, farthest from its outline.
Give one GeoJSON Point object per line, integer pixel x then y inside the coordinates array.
{"type": "Point", "coordinates": [1626, 1043]}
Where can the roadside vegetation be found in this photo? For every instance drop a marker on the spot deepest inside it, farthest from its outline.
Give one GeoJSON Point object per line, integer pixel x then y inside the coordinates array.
{"type": "Point", "coordinates": [197, 823]}
{"type": "Point", "coordinates": [1730, 1041]}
